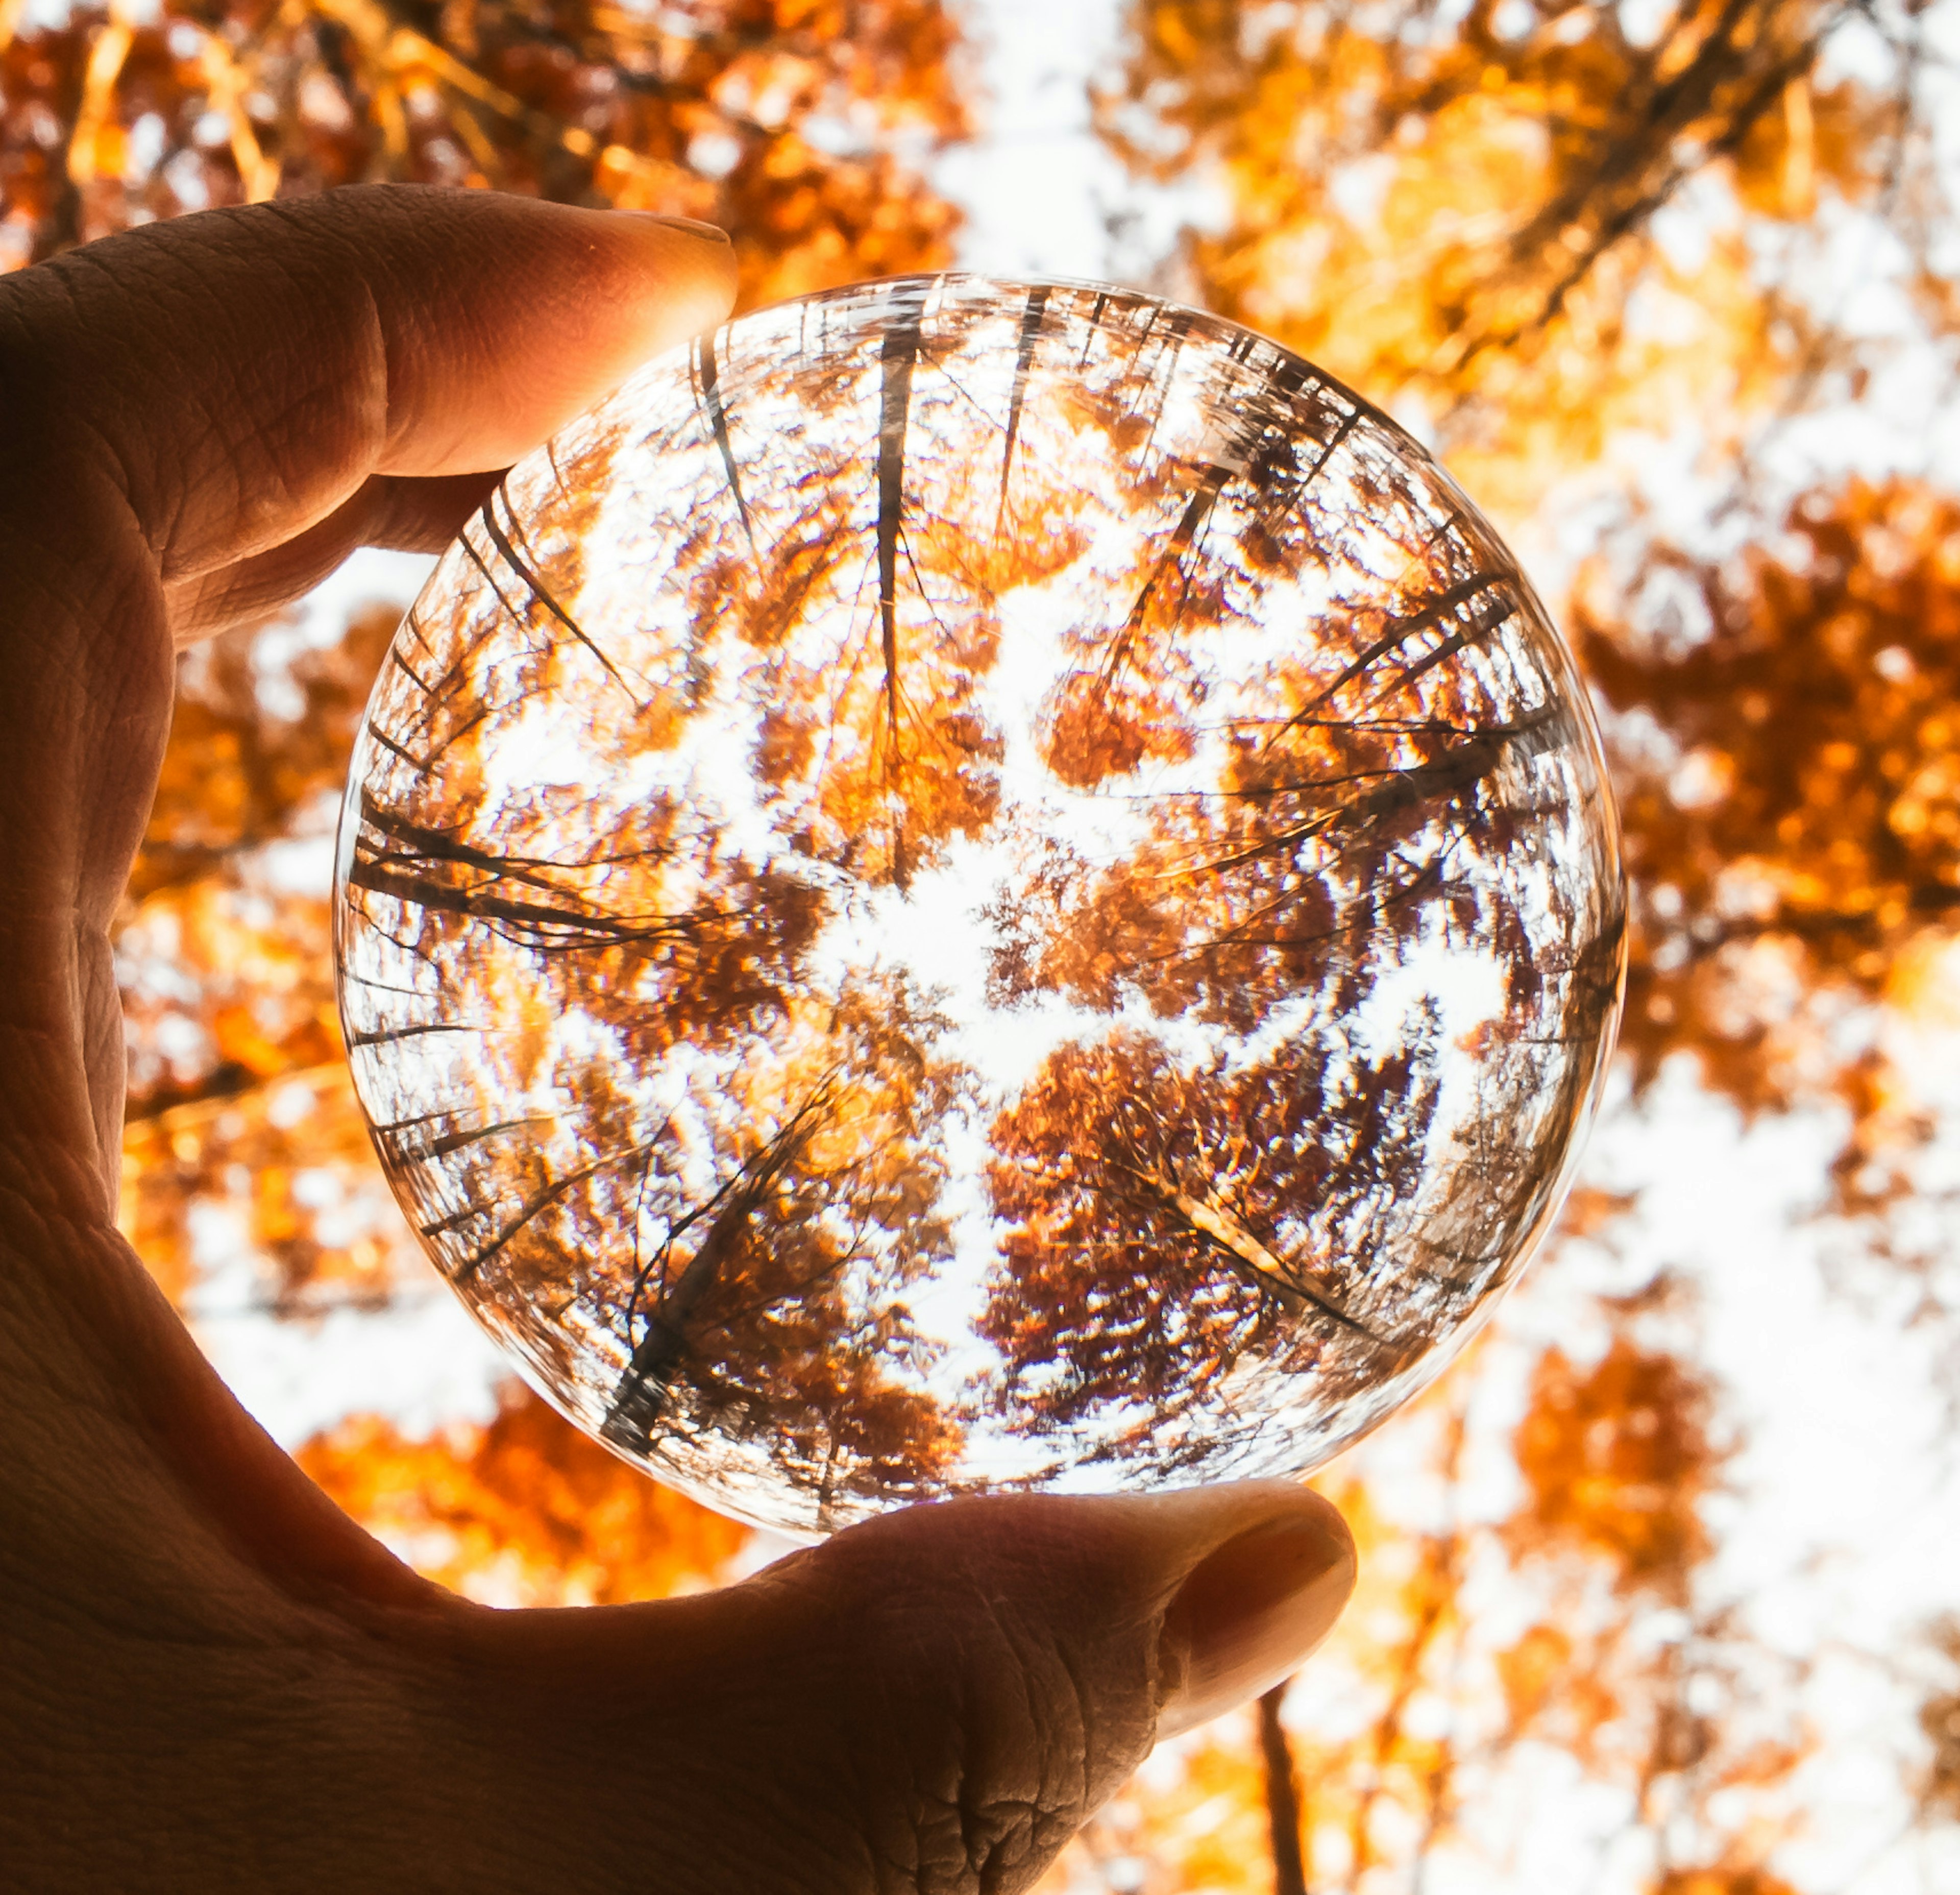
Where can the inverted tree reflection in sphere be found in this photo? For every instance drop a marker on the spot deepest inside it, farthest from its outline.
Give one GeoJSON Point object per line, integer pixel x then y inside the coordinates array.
{"type": "Point", "coordinates": [974, 885]}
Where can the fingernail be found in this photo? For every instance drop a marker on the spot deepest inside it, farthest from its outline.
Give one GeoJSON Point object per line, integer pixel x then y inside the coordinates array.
{"type": "Point", "coordinates": [691, 226]}
{"type": "Point", "coordinates": [1250, 1613]}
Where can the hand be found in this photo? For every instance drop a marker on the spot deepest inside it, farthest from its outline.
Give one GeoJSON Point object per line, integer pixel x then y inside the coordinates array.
{"type": "Point", "coordinates": [209, 1678]}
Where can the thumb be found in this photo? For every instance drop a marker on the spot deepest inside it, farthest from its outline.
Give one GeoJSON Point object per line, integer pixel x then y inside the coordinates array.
{"type": "Point", "coordinates": [935, 1701]}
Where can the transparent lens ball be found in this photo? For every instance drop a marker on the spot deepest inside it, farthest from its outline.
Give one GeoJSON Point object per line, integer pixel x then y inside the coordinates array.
{"type": "Point", "coordinates": [977, 886]}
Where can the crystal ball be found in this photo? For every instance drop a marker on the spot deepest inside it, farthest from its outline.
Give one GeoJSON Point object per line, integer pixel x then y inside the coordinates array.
{"type": "Point", "coordinates": [977, 886]}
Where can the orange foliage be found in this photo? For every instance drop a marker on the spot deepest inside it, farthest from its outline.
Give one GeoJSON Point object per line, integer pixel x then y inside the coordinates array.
{"type": "Point", "coordinates": [705, 112]}
{"type": "Point", "coordinates": [1721, 1881]}
{"type": "Point", "coordinates": [526, 1511]}
{"type": "Point", "coordinates": [238, 1088]}
{"type": "Point", "coordinates": [1532, 1669]}
{"type": "Point", "coordinates": [1617, 1459]}
{"type": "Point", "coordinates": [1459, 213]}
{"type": "Point", "coordinates": [1805, 803]}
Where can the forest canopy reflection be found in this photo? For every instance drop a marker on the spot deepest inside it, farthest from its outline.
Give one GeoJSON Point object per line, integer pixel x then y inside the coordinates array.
{"type": "Point", "coordinates": [977, 885]}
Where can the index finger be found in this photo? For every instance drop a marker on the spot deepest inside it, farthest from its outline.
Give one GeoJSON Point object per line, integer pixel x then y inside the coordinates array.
{"type": "Point", "coordinates": [240, 373]}
{"type": "Point", "coordinates": [181, 397]}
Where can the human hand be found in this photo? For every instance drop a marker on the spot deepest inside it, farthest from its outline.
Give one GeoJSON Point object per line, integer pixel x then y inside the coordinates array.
{"type": "Point", "coordinates": [210, 1679]}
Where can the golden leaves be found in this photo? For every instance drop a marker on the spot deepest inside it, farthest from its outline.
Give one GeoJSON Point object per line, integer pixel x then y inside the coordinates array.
{"type": "Point", "coordinates": [1458, 217]}
{"type": "Point", "coordinates": [525, 1512]}
{"type": "Point", "coordinates": [1099, 728]}
{"type": "Point", "coordinates": [1801, 825]}
{"type": "Point", "coordinates": [238, 1100]}
{"type": "Point", "coordinates": [580, 101]}
{"type": "Point", "coordinates": [1533, 1671]}
{"type": "Point", "coordinates": [1617, 1459]}
{"type": "Point", "coordinates": [283, 1157]}
{"type": "Point", "coordinates": [1744, 1880]}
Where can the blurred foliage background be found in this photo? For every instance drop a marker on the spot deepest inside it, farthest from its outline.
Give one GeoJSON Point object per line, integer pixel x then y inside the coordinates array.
{"type": "Point", "coordinates": [1675, 292]}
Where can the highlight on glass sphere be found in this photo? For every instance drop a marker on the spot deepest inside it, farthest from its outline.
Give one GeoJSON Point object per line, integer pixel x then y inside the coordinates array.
{"type": "Point", "coordinates": [975, 886]}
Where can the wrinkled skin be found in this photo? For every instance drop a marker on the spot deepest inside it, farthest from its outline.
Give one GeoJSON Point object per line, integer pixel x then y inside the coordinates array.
{"type": "Point", "coordinates": [210, 1679]}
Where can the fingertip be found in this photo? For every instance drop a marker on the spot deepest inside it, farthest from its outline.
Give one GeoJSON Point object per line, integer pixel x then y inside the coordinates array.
{"type": "Point", "coordinates": [1276, 1564]}
{"type": "Point", "coordinates": [560, 304]}
{"type": "Point", "coordinates": [689, 266]}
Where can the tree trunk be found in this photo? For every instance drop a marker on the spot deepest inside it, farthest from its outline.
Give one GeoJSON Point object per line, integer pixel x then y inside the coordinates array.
{"type": "Point", "coordinates": [1282, 1811]}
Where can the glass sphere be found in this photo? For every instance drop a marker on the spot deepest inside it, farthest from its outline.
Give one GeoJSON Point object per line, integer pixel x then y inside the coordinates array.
{"type": "Point", "coordinates": [974, 885]}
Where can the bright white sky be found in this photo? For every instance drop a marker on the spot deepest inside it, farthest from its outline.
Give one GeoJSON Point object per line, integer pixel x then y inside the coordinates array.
{"type": "Point", "coordinates": [1843, 1530]}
